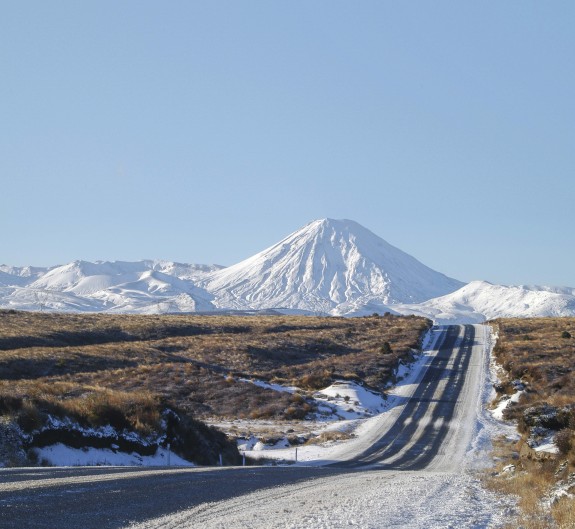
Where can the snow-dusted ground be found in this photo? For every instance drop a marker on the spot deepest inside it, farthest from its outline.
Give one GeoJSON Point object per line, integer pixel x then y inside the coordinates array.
{"type": "Point", "coordinates": [380, 500]}
{"type": "Point", "coordinates": [64, 456]}
{"type": "Point", "coordinates": [361, 415]}
{"type": "Point", "coordinates": [446, 495]}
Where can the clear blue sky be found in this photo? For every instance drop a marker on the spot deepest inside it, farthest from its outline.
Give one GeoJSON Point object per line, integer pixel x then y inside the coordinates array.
{"type": "Point", "coordinates": [206, 131]}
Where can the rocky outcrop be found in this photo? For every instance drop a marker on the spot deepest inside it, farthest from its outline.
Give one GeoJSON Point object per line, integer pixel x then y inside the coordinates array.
{"type": "Point", "coordinates": [12, 453]}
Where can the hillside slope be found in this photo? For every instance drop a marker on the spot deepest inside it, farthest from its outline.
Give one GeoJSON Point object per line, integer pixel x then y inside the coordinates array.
{"type": "Point", "coordinates": [138, 287]}
{"type": "Point", "coordinates": [479, 301]}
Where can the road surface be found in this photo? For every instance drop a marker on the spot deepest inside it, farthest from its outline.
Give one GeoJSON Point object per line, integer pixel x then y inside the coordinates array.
{"type": "Point", "coordinates": [417, 435]}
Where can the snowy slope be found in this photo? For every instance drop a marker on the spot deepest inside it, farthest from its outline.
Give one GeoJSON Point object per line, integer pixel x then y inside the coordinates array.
{"type": "Point", "coordinates": [20, 276]}
{"type": "Point", "coordinates": [84, 278]}
{"type": "Point", "coordinates": [327, 266]}
{"type": "Point", "coordinates": [479, 301]}
{"type": "Point", "coordinates": [142, 286]}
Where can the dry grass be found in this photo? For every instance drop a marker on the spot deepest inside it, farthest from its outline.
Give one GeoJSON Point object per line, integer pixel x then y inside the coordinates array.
{"type": "Point", "coordinates": [330, 436]}
{"type": "Point", "coordinates": [530, 483]}
{"type": "Point", "coordinates": [534, 350]}
{"type": "Point", "coordinates": [563, 512]}
{"type": "Point", "coordinates": [540, 352]}
{"type": "Point", "coordinates": [124, 368]}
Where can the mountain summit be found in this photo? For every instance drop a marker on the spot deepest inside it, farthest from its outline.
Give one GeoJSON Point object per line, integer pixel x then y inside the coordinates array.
{"type": "Point", "coordinates": [335, 266]}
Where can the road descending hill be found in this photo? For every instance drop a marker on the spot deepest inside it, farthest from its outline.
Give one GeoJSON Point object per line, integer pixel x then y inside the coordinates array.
{"type": "Point", "coordinates": [413, 471]}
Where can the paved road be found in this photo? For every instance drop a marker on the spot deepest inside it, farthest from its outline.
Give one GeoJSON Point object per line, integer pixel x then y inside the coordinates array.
{"type": "Point", "coordinates": [416, 437]}
{"type": "Point", "coordinates": [110, 498]}
{"type": "Point", "coordinates": [101, 498]}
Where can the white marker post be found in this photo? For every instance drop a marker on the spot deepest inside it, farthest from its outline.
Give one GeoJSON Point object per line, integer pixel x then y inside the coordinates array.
{"type": "Point", "coordinates": [296, 454]}
{"type": "Point", "coordinates": [169, 454]}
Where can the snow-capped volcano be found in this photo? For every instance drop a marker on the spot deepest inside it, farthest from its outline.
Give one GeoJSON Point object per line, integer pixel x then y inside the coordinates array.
{"type": "Point", "coordinates": [335, 266]}
{"type": "Point", "coordinates": [329, 267]}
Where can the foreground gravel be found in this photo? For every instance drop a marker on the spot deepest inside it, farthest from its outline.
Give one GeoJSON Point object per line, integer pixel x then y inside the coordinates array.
{"type": "Point", "coordinates": [111, 498]}
{"type": "Point", "coordinates": [379, 499]}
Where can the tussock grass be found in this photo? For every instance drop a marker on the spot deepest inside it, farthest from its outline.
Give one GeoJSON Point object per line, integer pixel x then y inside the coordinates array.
{"type": "Point", "coordinates": [540, 352]}
{"type": "Point", "coordinates": [535, 350]}
{"type": "Point", "coordinates": [123, 369]}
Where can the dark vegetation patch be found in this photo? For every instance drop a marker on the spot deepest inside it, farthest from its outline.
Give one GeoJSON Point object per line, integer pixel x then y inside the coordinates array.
{"type": "Point", "coordinates": [536, 351]}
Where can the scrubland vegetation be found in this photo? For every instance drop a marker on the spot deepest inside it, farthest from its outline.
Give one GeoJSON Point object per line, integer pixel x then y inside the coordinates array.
{"type": "Point", "coordinates": [540, 353]}
{"type": "Point", "coordinates": [126, 370]}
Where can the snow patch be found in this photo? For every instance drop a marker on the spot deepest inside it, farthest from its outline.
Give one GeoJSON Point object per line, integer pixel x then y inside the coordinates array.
{"type": "Point", "coordinates": [267, 385]}
{"type": "Point", "coordinates": [64, 456]}
{"type": "Point", "coordinates": [348, 400]}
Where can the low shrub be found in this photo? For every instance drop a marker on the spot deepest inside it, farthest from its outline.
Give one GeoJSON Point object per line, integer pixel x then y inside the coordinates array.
{"type": "Point", "coordinates": [195, 441]}
{"type": "Point", "coordinates": [563, 440]}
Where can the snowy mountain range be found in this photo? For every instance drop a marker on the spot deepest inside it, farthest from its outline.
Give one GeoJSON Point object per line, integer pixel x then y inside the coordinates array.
{"type": "Point", "coordinates": [329, 266]}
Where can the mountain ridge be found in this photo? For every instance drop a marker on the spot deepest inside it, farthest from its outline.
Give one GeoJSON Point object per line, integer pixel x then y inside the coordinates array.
{"type": "Point", "coordinates": [331, 267]}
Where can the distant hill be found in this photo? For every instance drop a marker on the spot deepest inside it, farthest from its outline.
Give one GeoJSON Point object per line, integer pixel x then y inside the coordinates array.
{"type": "Point", "coordinates": [479, 301]}
{"type": "Point", "coordinates": [139, 287]}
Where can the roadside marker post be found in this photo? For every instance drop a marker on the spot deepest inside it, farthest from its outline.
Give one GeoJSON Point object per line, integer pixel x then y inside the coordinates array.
{"type": "Point", "coordinates": [169, 453]}
{"type": "Point", "coordinates": [296, 454]}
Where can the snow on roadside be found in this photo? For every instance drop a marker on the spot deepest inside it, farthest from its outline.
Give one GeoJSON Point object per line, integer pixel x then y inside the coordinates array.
{"type": "Point", "coordinates": [61, 455]}
{"type": "Point", "coordinates": [506, 400]}
{"type": "Point", "coordinates": [117, 443]}
{"type": "Point", "coordinates": [488, 425]}
{"type": "Point", "coordinates": [348, 400]}
{"type": "Point", "coordinates": [356, 419]}
{"type": "Point", "coordinates": [341, 400]}
{"type": "Point", "coordinates": [540, 439]}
